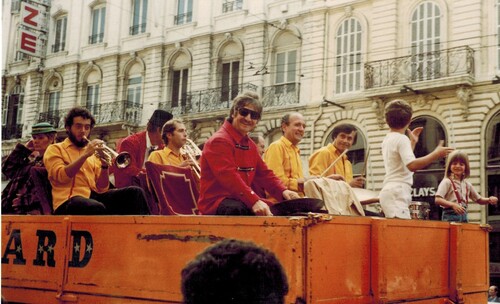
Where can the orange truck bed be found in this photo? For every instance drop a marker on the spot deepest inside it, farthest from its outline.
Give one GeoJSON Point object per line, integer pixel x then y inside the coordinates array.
{"type": "Point", "coordinates": [328, 259]}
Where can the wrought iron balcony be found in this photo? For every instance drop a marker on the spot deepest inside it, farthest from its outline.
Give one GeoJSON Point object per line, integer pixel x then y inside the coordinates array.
{"type": "Point", "coordinates": [97, 38]}
{"type": "Point", "coordinates": [206, 100]}
{"type": "Point", "coordinates": [281, 95]}
{"type": "Point", "coordinates": [104, 113]}
{"type": "Point", "coordinates": [429, 66]}
{"type": "Point", "coordinates": [183, 18]}
{"type": "Point", "coordinates": [138, 29]}
{"type": "Point", "coordinates": [58, 47]}
{"type": "Point", "coordinates": [12, 131]}
{"type": "Point", "coordinates": [55, 118]}
{"type": "Point", "coordinates": [232, 6]}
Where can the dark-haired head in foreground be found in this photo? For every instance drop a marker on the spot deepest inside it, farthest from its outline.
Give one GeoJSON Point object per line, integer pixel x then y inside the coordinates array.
{"type": "Point", "coordinates": [234, 271]}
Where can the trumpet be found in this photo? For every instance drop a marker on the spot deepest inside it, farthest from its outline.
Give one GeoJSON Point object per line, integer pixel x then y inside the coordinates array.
{"type": "Point", "coordinates": [191, 151]}
{"type": "Point", "coordinates": [111, 157]}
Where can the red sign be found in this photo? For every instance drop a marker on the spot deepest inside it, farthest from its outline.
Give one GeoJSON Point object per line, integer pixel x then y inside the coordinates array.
{"type": "Point", "coordinates": [32, 29]}
{"type": "Point", "coordinates": [34, 16]}
{"type": "Point", "coordinates": [31, 42]}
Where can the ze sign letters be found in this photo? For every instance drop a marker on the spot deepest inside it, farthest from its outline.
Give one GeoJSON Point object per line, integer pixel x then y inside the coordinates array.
{"type": "Point", "coordinates": [32, 38]}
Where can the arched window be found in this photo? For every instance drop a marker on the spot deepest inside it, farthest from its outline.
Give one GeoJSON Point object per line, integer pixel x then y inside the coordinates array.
{"type": "Point", "coordinates": [348, 56]}
{"type": "Point", "coordinates": [426, 181]}
{"type": "Point", "coordinates": [425, 41]}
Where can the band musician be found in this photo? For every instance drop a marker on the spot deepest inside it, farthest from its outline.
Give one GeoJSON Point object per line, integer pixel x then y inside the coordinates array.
{"type": "Point", "coordinates": [80, 179]}
{"type": "Point", "coordinates": [139, 146]}
{"type": "Point", "coordinates": [343, 137]}
{"type": "Point", "coordinates": [230, 163]}
{"type": "Point", "coordinates": [283, 155]}
{"type": "Point", "coordinates": [174, 136]}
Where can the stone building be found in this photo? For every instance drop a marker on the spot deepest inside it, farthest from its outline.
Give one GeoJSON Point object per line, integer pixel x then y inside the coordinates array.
{"type": "Point", "coordinates": [334, 61]}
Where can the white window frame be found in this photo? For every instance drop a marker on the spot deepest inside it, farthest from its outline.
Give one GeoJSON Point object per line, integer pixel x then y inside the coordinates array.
{"type": "Point", "coordinates": [182, 87]}
{"type": "Point", "coordinates": [60, 29]}
{"type": "Point", "coordinates": [184, 12]}
{"type": "Point", "coordinates": [97, 24]}
{"type": "Point", "coordinates": [134, 90]}
{"type": "Point", "coordinates": [54, 101]}
{"type": "Point", "coordinates": [93, 98]}
{"type": "Point", "coordinates": [426, 41]}
{"type": "Point", "coordinates": [349, 61]}
{"type": "Point", "coordinates": [232, 5]}
{"type": "Point", "coordinates": [138, 19]}
{"type": "Point", "coordinates": [230, 78]}
{"type": "Point", "coordinates": [286, 72]}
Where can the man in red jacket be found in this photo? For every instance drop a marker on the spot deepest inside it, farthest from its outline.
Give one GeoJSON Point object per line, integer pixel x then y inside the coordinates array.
{"type": "Point", "coordinates": [230, 163]}
{"type": "Point", "coordinates": [139, 145]}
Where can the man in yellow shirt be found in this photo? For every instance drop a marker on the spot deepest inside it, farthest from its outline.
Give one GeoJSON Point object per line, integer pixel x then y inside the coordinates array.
{"type": "Point", "coordinates": [343, 137]}
{"type": "Point", "coordinates": [174, 136]}
{"type": "Point", "coordinates": [283, 155]}
{"type": "Point", "coordinates": [80, 180]}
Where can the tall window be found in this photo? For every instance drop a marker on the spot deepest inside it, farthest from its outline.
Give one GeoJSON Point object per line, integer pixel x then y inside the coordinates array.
{"type": "Point", "coordinates": [134, 91]}
{"type": "Point", "coordinates": [12, 112]}
{"type": "Point", "coordinates": [60, 38]}
{"type": "Point", "coordinates": [425, 41]}
{"type": "Point", "coordinates": [93, 98]}
{"type": "Point", "coordinates": [230, 80]}
{"type": "Point", "coordinates": [286, 67]}
{"type": "Point", "coordinates": [139, 16]}
{"type": "Point", "coordinates": [54, 98]}
{"type": "Point", "coordinates": [98, 21]}
{"type": "Point", "coordinates": [348, 57]}
{"type": "Point", "coordinates": [184, 11]}
{"type": "Point", "coordinates": [179, 87]}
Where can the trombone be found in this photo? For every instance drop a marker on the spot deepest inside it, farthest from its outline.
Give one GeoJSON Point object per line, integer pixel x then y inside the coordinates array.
{"type": "Point", "coordinates": [191, 151]}
{"type": "Point", "coordinates": [111, 157]}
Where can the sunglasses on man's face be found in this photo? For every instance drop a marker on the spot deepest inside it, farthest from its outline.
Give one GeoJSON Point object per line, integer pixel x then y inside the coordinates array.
{"type": "Point", "coordinates": [244, 112]}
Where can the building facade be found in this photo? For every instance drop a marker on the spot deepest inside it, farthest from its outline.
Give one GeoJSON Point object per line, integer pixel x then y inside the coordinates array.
{"type": "Point", "coordinates": [334, 61]}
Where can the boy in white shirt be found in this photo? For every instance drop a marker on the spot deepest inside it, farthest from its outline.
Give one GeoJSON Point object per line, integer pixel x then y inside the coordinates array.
{"type": "Point", "coordinates": [399, 160]}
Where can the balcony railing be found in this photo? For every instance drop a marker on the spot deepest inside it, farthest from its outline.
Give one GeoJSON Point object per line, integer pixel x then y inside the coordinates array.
{"type": "Point", "coordinates": [58, 47]}
{"type": "Point", "coordinates": [137, 29]}
{"type": "Point", "coordinates": [12, 131]}
{"type": "Point", "coordinates": [207, 100]}
{"type": "Point", "coordinates": [105, 113]}
{"type": "Point", "coordinates": [281, 95]}
{"type": "Point", "coordinates": [232, 6]}
{"type": "Point", "coordinates": [55, 118]}
{"type": "Point", "coordinates": [183, 18]}
{"type": "Point", "coordinates": [457, 61]}
{"type": "Point", "coordinates": [97, 38]}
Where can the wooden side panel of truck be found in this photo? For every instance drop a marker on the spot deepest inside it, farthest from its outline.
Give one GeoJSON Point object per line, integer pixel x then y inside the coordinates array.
{"type": "Point", "coordinates": [328, 259]}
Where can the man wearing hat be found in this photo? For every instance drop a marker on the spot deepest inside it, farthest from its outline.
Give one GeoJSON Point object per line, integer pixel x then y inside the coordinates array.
{"type": "Point", "coordinates": [139, 145]}
{"type": "Point", "coordinates": [17, 196]}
